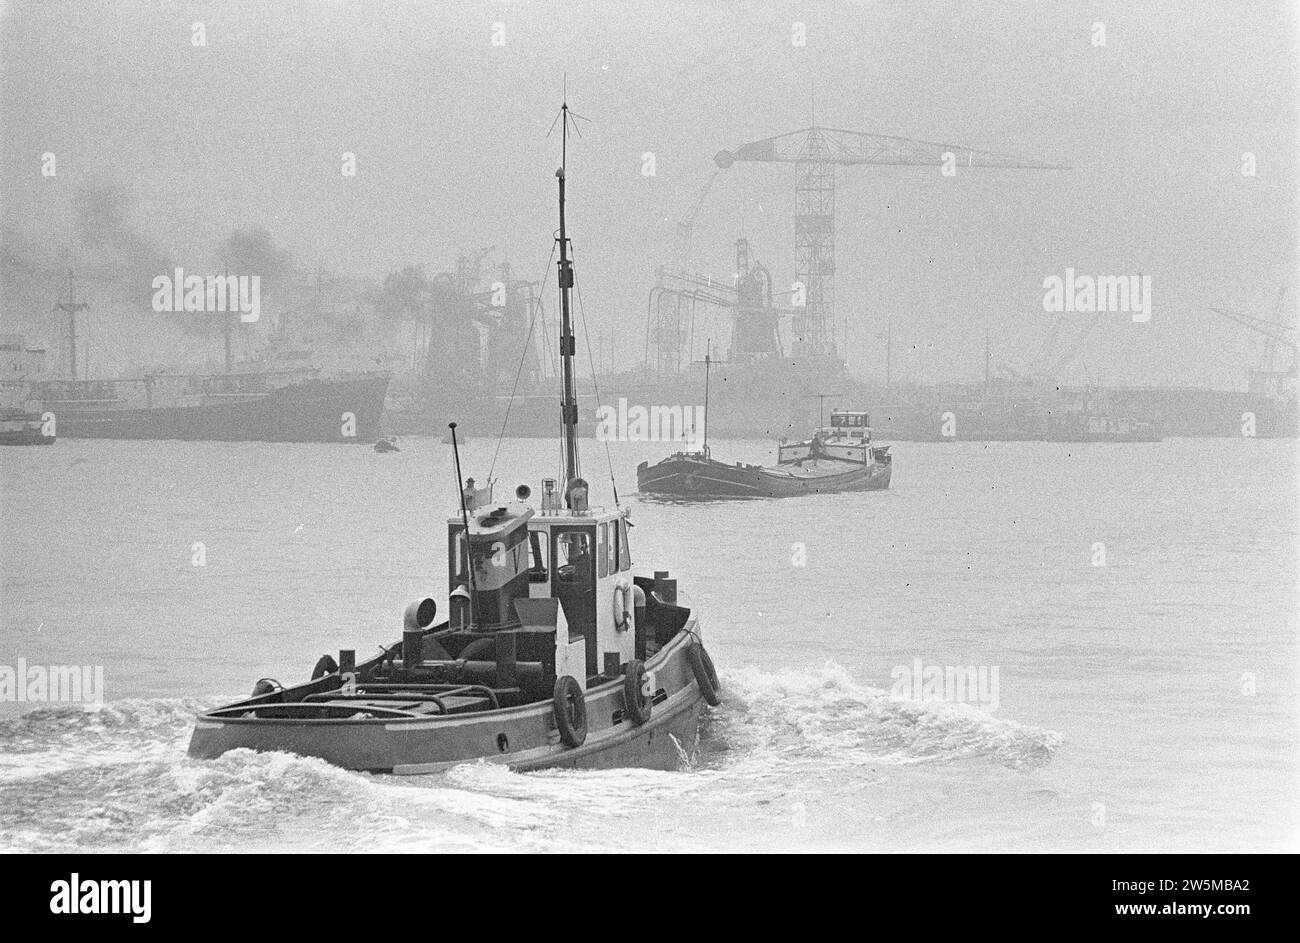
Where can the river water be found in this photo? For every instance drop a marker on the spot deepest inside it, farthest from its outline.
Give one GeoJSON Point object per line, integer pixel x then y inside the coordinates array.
{"type": "Point", "coordinates": [1137, 601]}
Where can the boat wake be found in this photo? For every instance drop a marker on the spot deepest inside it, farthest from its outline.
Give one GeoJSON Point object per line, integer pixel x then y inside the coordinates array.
{"type": "Point", "coordinates": [118, 779]}
{"type": "Point", "coordinates": [825, 715]}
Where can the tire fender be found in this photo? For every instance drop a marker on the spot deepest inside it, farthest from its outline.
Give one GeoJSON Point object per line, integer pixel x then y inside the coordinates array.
{"type": "Point", "coordinates": [569, 705]}
{"type": "Point", "coordinates": [706, 676]}
{"type": "Point", "coordinates": [637, 703]}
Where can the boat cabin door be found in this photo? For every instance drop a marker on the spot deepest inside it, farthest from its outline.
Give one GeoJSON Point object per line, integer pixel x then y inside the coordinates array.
{"type": "Point", "coordinates": [573, 582]}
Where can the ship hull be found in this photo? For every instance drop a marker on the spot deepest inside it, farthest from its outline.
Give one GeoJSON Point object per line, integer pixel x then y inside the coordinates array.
{"type": "Point", "coordinates": [417, 746]}
{"type": "Point", "coordinates": [25, 437]}
{"type": "Point", "coordinates": [769, 407]}
{"type": "Point", "coordinates": [695, 477]}
{"type": "Point", "coordinates": [335, 410]}
{"type": "Point", "coordinates": [1169, 413]}
{"type": "Point", "coordinates": [20, 427]}
{"type": "Point", "coordinates": [1147, 435]}
{"type": "Point", "coordinates": [1019, 422]}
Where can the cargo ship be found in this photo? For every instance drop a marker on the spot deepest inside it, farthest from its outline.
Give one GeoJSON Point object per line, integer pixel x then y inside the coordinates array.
{"type": "Point", "coordinates": [266, 406]}
{"type": "Point", "coordinates": [272, 399]}
{"type": "Point", "coordinates": [1121, 414]}
{"type": "Point", "coordinates": [1017, 420]}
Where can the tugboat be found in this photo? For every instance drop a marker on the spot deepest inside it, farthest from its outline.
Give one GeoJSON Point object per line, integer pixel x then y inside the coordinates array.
{"type": "Point", "coordinates": [840, 457]}
{"type": "Point", "coordinates": [555, 654]}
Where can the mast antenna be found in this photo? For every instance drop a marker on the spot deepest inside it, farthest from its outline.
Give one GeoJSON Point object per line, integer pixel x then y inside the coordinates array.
{"type": "Point", "coordinates": [569, 402]}
{"type": "Point", "coordinates": [821, 404]}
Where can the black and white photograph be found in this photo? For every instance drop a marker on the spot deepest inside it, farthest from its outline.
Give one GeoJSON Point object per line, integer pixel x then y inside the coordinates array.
{"type": "Point", "coordinates": [696, 427]}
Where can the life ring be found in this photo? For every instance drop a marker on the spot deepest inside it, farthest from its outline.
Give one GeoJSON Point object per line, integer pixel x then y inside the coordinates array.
{"type": "Point", "coordinates": [570, 707]}
{"type": "Point", "coordinates": [637, 703]}
{"type": "Point", "coordinates": [326, 666]}
{"type": "Point", "coordinates": [706, 676]}
{"type": "Point", "coordinates": [622, 596]}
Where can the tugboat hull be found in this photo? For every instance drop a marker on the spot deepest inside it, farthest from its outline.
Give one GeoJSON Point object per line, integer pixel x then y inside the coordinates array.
{"type": "Point", "coordinates": [694, 477]}
{"type": "Point", "coordinates": [524, 737]}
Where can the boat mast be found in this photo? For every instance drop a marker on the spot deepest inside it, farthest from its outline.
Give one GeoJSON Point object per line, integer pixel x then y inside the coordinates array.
{"type": "Point", "coordinates": [821, 407]}
{"type": "Point", "coordinates": [569, 404]}
{"type": "Point", "coordinates": [708, 362]}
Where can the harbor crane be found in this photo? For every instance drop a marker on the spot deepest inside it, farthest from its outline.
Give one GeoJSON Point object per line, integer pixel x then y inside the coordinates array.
{"type": "Point", "coordinates": [816, 152]}
{"type": "Point", "coordinates": [686, 226]}
{"type": "Point", "coordinates": [1276, 334]}
{"type": "Point", "coordinates": [1267, 379]}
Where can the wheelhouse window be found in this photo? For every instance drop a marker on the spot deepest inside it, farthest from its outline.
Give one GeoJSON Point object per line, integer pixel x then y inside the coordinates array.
{"type": "Point", "coordinates": [538, 573]}
{"type": "Point", "coordinates": [625, 563]}
{"type": "Point", "coordinates": [602, 551]}
{"type": "Point", "coordinates": [457, 554]}
{"type": "Point", "coordinates": [574, 557]}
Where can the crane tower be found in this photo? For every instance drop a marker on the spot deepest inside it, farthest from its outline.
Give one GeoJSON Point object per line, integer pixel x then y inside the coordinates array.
{"type": "Point", "coordinates": [816, 152]}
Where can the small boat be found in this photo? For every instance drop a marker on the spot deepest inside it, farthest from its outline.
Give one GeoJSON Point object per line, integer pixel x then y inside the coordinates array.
{"type": "Point", "coordinates": [387, 443]}
{"type": "Point", "coordinates": [840, 457]}
{"type": "Point", "coordinates": [555, 653]}
{"type": "Point", "coordinates": [24, 427]}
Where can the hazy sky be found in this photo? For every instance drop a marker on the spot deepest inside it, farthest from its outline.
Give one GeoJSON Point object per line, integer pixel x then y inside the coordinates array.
{"type": "Point", "coordinates": [450, 136]}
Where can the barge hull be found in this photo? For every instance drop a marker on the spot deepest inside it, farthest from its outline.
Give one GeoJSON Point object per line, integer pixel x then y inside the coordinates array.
{"type": "Point", "coordinates": [685, 478]}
